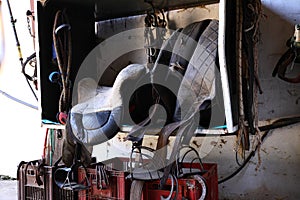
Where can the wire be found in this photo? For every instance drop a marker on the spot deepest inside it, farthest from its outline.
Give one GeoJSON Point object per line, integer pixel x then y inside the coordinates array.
{"type": "Point", "coordinates": [45, 143]}
{"type": "Point", "coordinates": [276, 124]}
{"type": "Point", "coordinates": [18, 100]}
{"type": "Point", "coordinates": [281, 123]}
{"type": "Point", "coordinates": [51, 146]}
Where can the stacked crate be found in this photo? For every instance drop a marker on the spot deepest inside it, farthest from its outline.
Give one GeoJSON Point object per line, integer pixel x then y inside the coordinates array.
{"type": "Point", "coordinates": [119, 186]}
{"type": "Point", "coordinates": [35, 182]}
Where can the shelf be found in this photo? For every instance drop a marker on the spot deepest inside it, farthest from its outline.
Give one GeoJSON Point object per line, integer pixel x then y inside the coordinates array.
{"type": "Point", "coordinates": [199, 131]}
{"type": "Point", "coordinates": [121, 8]}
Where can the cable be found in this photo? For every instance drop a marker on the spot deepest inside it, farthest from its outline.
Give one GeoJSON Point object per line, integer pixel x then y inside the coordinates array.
{"type": "Point", "coordinates": [281, 123]}
{"type": "Point", "coordinates": [241, 166]}
{"type": "Point", "coordinates": [276, 124]}
{"type": "Point", "coordinates": [18, 100]}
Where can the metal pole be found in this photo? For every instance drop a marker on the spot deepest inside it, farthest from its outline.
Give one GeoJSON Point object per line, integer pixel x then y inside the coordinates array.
{"type": "Point", "coordinates": [13, 22]}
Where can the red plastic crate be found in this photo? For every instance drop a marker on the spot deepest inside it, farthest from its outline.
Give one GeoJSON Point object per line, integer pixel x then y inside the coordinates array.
{"type": "Point", "coordinates": [118, 187]}
{"type": "Point", "coordinates": [188, 188]}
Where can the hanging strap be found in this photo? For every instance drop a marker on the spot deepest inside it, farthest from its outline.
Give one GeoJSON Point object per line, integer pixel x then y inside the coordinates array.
{"type": "Point", "coordinates": [286, 60]}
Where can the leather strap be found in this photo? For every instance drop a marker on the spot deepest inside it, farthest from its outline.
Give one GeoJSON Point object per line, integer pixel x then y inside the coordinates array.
{"type": "Point", "coordinates": [286, 60]}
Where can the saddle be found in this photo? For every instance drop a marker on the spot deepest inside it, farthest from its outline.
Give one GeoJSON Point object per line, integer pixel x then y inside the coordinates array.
{"type": "Point", "coordinates": [189, 73]}
{"type": "Point", "coordinates": [89, 123]}
{"type": "Point", "coordinates": [182, 81]}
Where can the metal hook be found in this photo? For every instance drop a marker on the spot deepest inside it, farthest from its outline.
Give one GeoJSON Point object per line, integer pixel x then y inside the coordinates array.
{"type": "Point", "coordinates": [60, 27]}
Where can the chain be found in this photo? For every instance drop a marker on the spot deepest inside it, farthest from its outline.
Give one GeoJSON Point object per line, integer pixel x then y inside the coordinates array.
{"type": "Point", "coordinates": [29, 13]}
{"type": "Point", "coordinates": [154, 33]}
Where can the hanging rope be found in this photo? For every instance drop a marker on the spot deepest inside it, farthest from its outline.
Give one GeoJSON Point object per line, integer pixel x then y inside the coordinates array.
{"type": "Point", "coordinates": [248, 14]}
{"type": "Point", "coordinates": [253, 14]}
{"type": "Point", "coordinates": [242, 132]}
{"type": "Point", "coordinates": [256, 9]}
{"type": "Point", "coordinates": [63, 50]}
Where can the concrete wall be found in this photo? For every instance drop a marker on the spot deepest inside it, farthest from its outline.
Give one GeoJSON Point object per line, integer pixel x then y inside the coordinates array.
{"type": "Point", "coordinates": [278, 175]}
{"type": "Point", "coordinates": [280, 98]}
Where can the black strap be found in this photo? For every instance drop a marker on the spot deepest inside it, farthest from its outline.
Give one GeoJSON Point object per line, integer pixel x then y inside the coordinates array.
{"type": "Point", "coordinates": [284, 62]}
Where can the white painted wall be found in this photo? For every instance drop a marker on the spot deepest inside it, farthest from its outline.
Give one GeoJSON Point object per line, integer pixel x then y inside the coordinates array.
{"type": "Point", "coordinates": [22, 137]}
